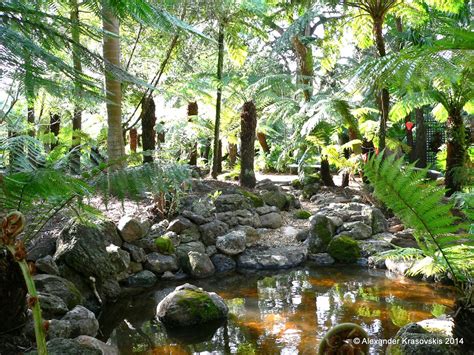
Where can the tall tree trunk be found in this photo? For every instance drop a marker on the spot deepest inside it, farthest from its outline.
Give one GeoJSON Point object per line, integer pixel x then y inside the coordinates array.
{"type": "Point", "coordinates": [75, 162]}
{"type": "Point", "coordinates": [192, 113]}
{"type": "Point", "coordinates": [232, 154]}
{"type": "Point", "coordinates": [54, 127]}
{"type": "Point", "coordinates": [262, 139]}
{"type": "Point", "coordinates": [384, 97]}
{"type": "Point", "coordinates": [133, 135]}
{"type": "Point", "coordinates": [148, 129]}
{"type": "Point", "coordinates": [30, 97]}
{"type": "Point", "coordinates": [420, 145]}
{"type": "Point", "coordinates": [111, 53]}
{"type": "Point", "coordinates": [304, 56]}
{"type": "Point", "coordinates": [12, 293]}
{"type": "Point", "coordinates": [248, 124]}
{"type": "Point", "coordinates": [409, 135]}
{"type": "Point", "coordinates": [456, 151]}
{"type": "Point", "coordinates": [217, 159]}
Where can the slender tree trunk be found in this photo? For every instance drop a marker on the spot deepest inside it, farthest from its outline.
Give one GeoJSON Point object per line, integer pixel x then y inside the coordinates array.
{"type": "Point", "coordinates": [456, 151]}
{"type": "Point", "coordinates": [207, 151]}
{"type": "Point", "coordinates": [133, 135]}
{"type": "Point", "coordinates": [420, 145]}
{"type": "Point", "coordinates": [148, 129]}
{"type": "Point", "coordinates": [111, 53]}
{"type": "Point", "coordinates": [232, 154]}
{"type": "Point", "coordinates": [262, 139]}
{"type": "Point", "coordinates": [384, 96]}
{"type": "Point", "coordinates": [192, 113]}
{"type": "Point", "coordinates": [304, 56]}
{"type": "Point", "coordinates": [248, 124]}
{"type": "Point", "coordinates": [219, 158]}
{"type": "Point", "coordinates": [216, 159]}
{"type": "Point", "coordinates": [409, 135]}
{"type": "Point", "coordinates": [326, 176]}
{"type": "Point", "coordinates": [30, 97]}
{"type": "Point", "coordinates": [54, 127]}
{"type": "Point", "coordinates": [75, 162]}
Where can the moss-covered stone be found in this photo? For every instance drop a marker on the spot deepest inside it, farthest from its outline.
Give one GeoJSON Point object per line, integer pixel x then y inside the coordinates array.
{"type": "Point", "coordinates": [296, 183]}
{"type": "Point", "coordinates": [320, 234]}
{"type": "Point", "coordinates": [199, 305]}
{"type": "Point", "coordinates": [302, 214]}
{"type": "Point", "coordinates": [275, 198]}
{"type": "Point", "coordinates": [164, 245]}
{"type": "Point", "coordinates": [344, 249]}
{"type": "Point", "coordinates": [257, 201]}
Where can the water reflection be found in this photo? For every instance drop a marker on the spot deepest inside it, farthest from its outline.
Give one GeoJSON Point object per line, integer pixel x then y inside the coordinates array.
{"type": "Point", "coordinates": [284, 313]}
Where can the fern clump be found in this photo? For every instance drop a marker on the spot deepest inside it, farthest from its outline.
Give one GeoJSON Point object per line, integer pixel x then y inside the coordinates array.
{"type": "Point", "coordinates": [420, 204]}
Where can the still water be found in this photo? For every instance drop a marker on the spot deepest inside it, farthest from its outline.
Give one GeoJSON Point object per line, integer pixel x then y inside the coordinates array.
{"type": "Point", "coordinates": [280, 313]}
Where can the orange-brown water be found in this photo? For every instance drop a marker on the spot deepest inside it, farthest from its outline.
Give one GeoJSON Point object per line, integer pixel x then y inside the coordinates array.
{"type": "Point", "coordinates": [281, 313]}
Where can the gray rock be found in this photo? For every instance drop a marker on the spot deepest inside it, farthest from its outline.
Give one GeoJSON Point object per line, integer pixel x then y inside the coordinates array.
{"type": "Point", "coordinates": [158, 229]}
{"type": "Point", "coordinates": [336, 221]}
{"type": "Point", "coordinates": [321, 259]}
{"type": "Point", "coordinates": [62, 346]}
{"type": "Point", "coordinates": [195, 217]}
{"type": "Point", "coordinates": [137, 254]}
{"type": "Point", "coordinates": [51, 306]}
{"type": "Point", "coordinates": [83, 322]}
{"type": "Point", "coordinates": [135, 267]}
{"type": "Point", "coordinates": [189, 305]}
{"type": "Point", "coordinates": [302, 235]}
{"type": "Point", "coordinates": [320, 234]}
{"type": "Point", "coordinates": [110, 232]}
{"type": "Point", "coordinates": [267, 184]}
{"type": "Point", "coordinates": [272, 258]}
{"type": "Point", "coordinates": [271, 220]}
{"type": "Point", "coordinates": [356, 230]}
{"type": "Point", "coordinates": [251, 234]}
{"type": "Point", "coordinates": [59, 287]}
{"type": "Point", "coordinates": [232, 202]}
{"type": "Point", "coordinates": [47, 265]}
{"type": "Point", "coordinates": [175, 238]}
{"type": "Point", "coordinates": [147, 244]}
{"type": "Point", "coordinates": [200, 266]}
{"type": "Point", "coordinates": [143, 278]}
{"type": "Point", "coordinates": [58, 328]}
{"type": "Point", "coordinates": [119, 259]}
{"type": "Point", "coordinates": [211, 250]}
{"type": "Point", "coordinates": [289, 232]}
{"type": "Point", "coordinates": [130, 229]}
{"type": "Point", "coordinates": [190, 234]}
{"type": "Point", "coordinates": [223, 263]}
{"type": "Point", "coordinates": [397, 267]}
{"type": "Point", "coordinates": [110, 288]}
{"type": "Point", "coordinates": [276, 198]}
{"type": "Point", "coordinates": [211, 230]}
{"type": "Point", "coordinates": [231, 243]}
{"type": "Point", "coordinates": [159, 263]}
{"type": "Point", "coordinates": [386, 237]}
{"type": "Point", "coordinates": [179, 224]}
{"type": "Point", "coordinates": [376, 263]}
{"type": "Point", "coordinates": [376, 219]}
{"type": "Point", "coordinates": [41, 248]}
{"type": "Point", "coordinates": [168, 275]}
{"type": "Point", "coordinates": [371, 247]}
{"type": "Point", "coordinates": [91, 342]}
{"type": "Point", "coordinates": [266, 209]}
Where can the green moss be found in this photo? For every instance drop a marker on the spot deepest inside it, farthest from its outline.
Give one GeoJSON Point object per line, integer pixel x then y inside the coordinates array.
{"type": "Point", "coordinates": [344, 249]}
{"type": "Point", "coordinates": [302, 214]}
{"type": "Point", "coordinates": [164, 245]}
{"type": "Point", "coordinates": [296, 183]}
{"type": "Point", "coordinates": [257, 201]}
{"type": "Point", "coordinates": [200, 306]}
{"type": "Point", "coordinates": [311, 179]}
{"type": "Point", "coordinates": [246, 349]}
{"type": "Point", "coordinates": [322, 229]}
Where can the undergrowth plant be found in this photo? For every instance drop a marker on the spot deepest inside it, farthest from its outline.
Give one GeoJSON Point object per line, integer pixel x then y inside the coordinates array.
{"type": "Point", "coordinates": [442, 237]}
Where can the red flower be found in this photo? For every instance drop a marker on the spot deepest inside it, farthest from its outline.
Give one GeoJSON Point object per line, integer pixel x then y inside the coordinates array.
{"type": "Point", "coordinates": [409, 125]}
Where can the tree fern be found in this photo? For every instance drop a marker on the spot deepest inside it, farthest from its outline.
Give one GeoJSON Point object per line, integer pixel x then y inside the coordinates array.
{"type": "Point", "coordinates": [421, 206]}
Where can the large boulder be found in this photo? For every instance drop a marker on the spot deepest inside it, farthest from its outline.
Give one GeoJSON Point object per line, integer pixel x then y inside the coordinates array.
{"type": "Point", "coordinates": [232, 243]}
{"type": "Point", "coordinates": [131, 229]}
{"type": "Point", "coordinates": [184, 248]}
{"type": "Point", "coordinates": [57, 286]}
{"type": "Point", "coordinates": [200, 266]}
{"type": "Point", "coordinates": [320, 234]}
{"type": "Point", "coordinates": [356, 230]}
{"type": "Point", "coordinates": [47, 265]}
{"type": "Point", "coordinates": [143, 278]}
{"type": "Point", "coordinates": [276, 198]}
{"type": "Point", "coordinates": [372, 247]}
{"type": "Point", "coordinates": [110, 232]}
{"type": "Point", "coordinates": [119, 260]}
{"type": "Point", "coordinates": [232, 202]}
{"type": "Point", "coordinates": [271, 258]}
{"type": "Point", "coordinates": [179, 224]}
{"type": "Point", "coordinates": [344, 249]}
{"type": "Point", "coordinates": [190, 234]}
{"type": "Point", "coordinates": [160, 263]}
{"type": "Point", "coordinates": [211, 230]}
{"type": "Point", "coordinates": [271, 220]}
{"type": "Point", "coordinates": [137, 254]}
{"type": "Point", "coordinates": [61, 346]}
{"type": "Point", "coordinates": [91, 342]}
{"type": "Point", "coordinates": [51, 305]}
{"type": "Point", "coordinates": [195, 217]}
{"type": "Point", "coordinates": [223, 263]}
{"type": "Point", "coordinates": [376, 219]}
{"type": "Point", "coordinates": [189, 305]}
{"type": "Point", "coordinates": [83, 322]}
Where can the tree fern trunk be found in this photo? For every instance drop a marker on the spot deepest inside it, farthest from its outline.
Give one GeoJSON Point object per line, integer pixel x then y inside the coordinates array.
{"type": "Point", "coordinates": [420, 145]}
{"type": "Point", "coordinates": [456, 151]}
{"type": "Point", "coordinates": [133, 136]}
{"type": "Point", "coordinates": [326, 173]}
{"type": "Point", "coordinates": [248, 124]}
{"type": "Point", "coordinates": [111, 53]}
{"type": "Point", "coordinates": [304, 56]}
{"type": "Point", "coordinates": [54, 127]}
{"type": "Point", "coordinates": [217, 158]}
{"type": "Point", "coordinates": [232, 154]}
{"type": "Point", "coordinates": [192, 112]}
{"type": "Point", "coordinates": [148, 129]}
{"type": "Point", "coordinates": [75, 161]}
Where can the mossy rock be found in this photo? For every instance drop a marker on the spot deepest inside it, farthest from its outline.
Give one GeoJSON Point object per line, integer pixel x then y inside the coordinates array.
{"type": "Point", "coordinates": [257, 201]}
{"type": "Point", "coordinates": [189, 305]}
{"type": "Point", "coordinates": [164, 245]}
{"type": "Point", "coordinates": [320, 234]}
{"type": "Point", "coordinates": [310, 179]}
{"type": "Point", "coordinates": [296, 183]}
{"type": "Point", "coordinates": [302, 214]}
{"type": "Point", "coordinates": [344, 249]}
{"type": "Point", "coordinates": [276, 198]}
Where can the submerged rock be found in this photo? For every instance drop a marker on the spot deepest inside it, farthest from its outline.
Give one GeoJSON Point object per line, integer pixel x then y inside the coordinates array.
{"type": "Point", "coordinates": [189, 305]}
{"type": "Point", "coordinates": [321, 259]}
{"type": "Point", "coordinates": [143, 278]}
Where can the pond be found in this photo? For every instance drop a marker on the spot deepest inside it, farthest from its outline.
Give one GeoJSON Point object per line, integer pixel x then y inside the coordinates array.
{"type": "Point", "coordinates": [280, 313]}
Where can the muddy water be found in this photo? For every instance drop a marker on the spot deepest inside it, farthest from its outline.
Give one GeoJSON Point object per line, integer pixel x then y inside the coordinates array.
{"type": "Point", "coordinates": [280, 313]}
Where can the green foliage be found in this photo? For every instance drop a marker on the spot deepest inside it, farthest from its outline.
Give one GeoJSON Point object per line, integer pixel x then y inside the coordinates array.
{"type": "Point", "coordinates": [420, 205]}
{"type": "Point", "coordinates": [344, 249]}
{"type": "Point", "coordinates": [164, 245]}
